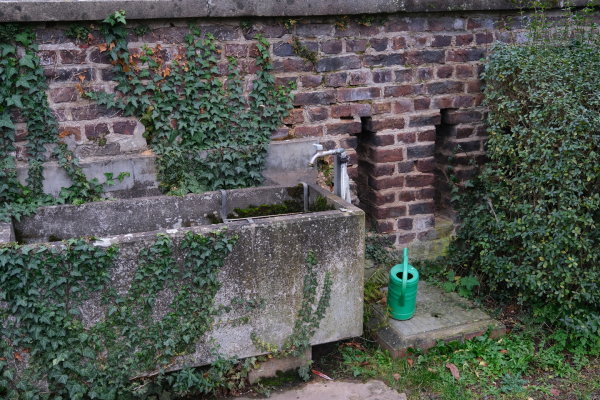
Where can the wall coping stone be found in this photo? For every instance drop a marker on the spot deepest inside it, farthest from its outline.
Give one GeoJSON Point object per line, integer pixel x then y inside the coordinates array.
{"type": "Point", "coordinates": [82, 10]}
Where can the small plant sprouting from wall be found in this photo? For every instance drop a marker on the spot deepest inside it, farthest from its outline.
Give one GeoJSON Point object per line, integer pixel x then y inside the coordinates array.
{"type": "Point", "coordinates": [23, 90]}
{"type": "Point", "coordinates": [304, 52]}
{"type": "Point", "coordinates": [46, 347]}
{"type": "Point", "coordinates": [307, 320]}
{"type": "Point", "coordinates": [205, 132]}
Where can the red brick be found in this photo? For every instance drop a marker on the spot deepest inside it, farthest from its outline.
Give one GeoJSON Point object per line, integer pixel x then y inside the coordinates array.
{"type": "Point", "coordinates": [484, 37]}
{"type": "Point", "coordinates": [384, 226]}
{"type": "Point", "coordinates": [443, 102]}
{"type": "Point", "coordinates": [444, 71]}
{"type": "Point", "coordinates": [124, 128]}
{"type": "Point", "coordinates": [404, 75]}
{"type": "Point", "coordinates": [281, 134]}
{"type": "Point", "coordinates": [331, 46]}
{"type": "Point", "coordinates": [337, 79]}
{"type": "Point", "coordinates": [358, 94]}
{"type": "Point", "coordinates": [399, 43]}
{"type": "Point", "coordinates": [404, 224]}
{"type": "Point", "coordinates": [425, 165]}
{"type": "Point", "coordinates": [385, 60]}
{"type": "Point", "coordinates": [464, 71]}
{"type": "Point", "coordinates": [314, 98]}
{"type": "Point", "coordinates": [398, 91]}
{"type": "Point", "coordinates": [454, 117]}
{"type": "Point", "coordinates": [378, 44]}
{"type": "Point", "coordinates": [474, 86]}
{"type": "Point", "coordinates": [379, 199]}
{"type": "Point", "coordinates": [445, 87]}
{"type": "Point", "coordinates": [441, 41]}
{"type": "Point", "coordinates": [385, 155]}
{"type": "Point", "coordinates": [350, 110]}
{"type": "Point", "coordinates": [295, 116]}
{"type": "Point", "coordinates": [237, 50]}
{"type": "Point", "coordinates": [386, 183]}
{"type": "Point", "coordinates": [91, 112]}
{"type": "Point", "coordinates": [96, 131]}
{"type": "Point", "coordinates": [356, 46]}
{"type": "Point", "coordinates": [311, 81]}
{"type": "Point", "coordinates": [426, 136]}
{"type": "Point", "coordinates": [63, 94]}
{"type": "Point", "coordinates": [382, 76]}
{"type": "Point", "coordinates": [388, 123]}
{"type": "Point", "coordinates": [292, 65]}
{"type": "Point", "coordinates": [381, 108]}
{"type": "Point", "coordinates": [422, 103]}
{"type": "Point", "coordinates": [285, 80]}
{"type": "Point", "coordinates": [403, 106]}
{"type": "Point", "coordinates": [419, 57]}
{"type": "Point", "coordinates": [422, 151]}
{"type": "Point", "coordinates": [358, 78]}
{"type": "Point", "coordinates": [465, 55]}
{"type": "Point", "coordinates": [305, 131]}
{"type": "Point", "coordinates": [464, 132]}
{"type": "Point", "coordinates": [338, 63]}
{"type": "Point", "coordinates": [72, 56]}
{"type": "Point", "coordinates": [424, 74]}
{"type": "Point", "coordinates": [344, 128]}
{"type": "Point", "coordinates": [406, 137]}
{"type": "Point", "coordinates": [388, 212]}
{"type": "Point", "coordinates": [47, 57]}
{"type": "Point", "coordinates": [425, 120]}
{"type": "Point", "coordinates": [446, 24]}
{"type": "Point", "coordinates": [463, 101]}
{"type": "Point", "coordinates": [407, 195]}
{"type": "Point", "coordinates": [376, 169]}
{"type": "Point", "coordinates": [426, 193]}
{"type": "Point", "coordinates": [378, 139]}
{"type": "Point", "coordinates": [421, 208]}
{"type": "Point", "coordinates": [318, 113]}
{"type": "Point", "coordinates": [464, 40]}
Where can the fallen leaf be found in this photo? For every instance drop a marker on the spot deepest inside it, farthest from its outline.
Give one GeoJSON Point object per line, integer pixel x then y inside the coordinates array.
{"type": "Point", "coordinates": [81, 77]}
{"type": "Point", "coordinates": [18, 356]}
{"type": "Point", "coordinates": [396, 376]}
{"type": "Point", "coordinates": [320, 374]}
{"type": "Point", "coordinates": [555, 392]}
{"type": "Point", "coordinates": [453, 370]}
{"type": "Point", "coordinates": [410, 362]}
{"type": "Point", "coordinates": [102, 47]}
{"type": "Point", "coordinates": [503, 351]}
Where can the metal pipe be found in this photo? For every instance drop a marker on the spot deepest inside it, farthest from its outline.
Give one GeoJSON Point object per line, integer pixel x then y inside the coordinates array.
{"type": "Point", "coordinates": [320, 154]}
{"type": "Point", "coordinates": [341, 181]}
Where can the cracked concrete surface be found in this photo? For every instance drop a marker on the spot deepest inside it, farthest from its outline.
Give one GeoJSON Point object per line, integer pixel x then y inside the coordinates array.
{"type": "Point", "coordinates": [320, 390]}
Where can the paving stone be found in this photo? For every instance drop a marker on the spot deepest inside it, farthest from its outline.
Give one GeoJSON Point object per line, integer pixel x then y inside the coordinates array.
{"type": "Point", "coordinates": [438, 316]}
{"type": "Point", "coordinates": [371, 390]}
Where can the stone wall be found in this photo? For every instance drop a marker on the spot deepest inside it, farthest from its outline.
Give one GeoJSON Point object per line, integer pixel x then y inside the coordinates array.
{"type": "Point", "coordinates": [398, 91]}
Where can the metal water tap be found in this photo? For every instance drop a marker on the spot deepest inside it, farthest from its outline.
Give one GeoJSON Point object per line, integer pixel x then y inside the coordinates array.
{"type": "Point", "coordinates": [341, 180]}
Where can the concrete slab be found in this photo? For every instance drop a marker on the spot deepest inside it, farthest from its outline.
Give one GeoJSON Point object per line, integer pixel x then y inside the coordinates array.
{"type": "Point", "coordinates": [438, 316]}
{"type": "Point", "coordinates": [269, 369]}
{"type": "Point", "coordinates": [371, 390]}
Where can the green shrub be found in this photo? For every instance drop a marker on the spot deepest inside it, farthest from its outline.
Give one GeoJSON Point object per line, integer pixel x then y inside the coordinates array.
{"type": "Point", "coordinates": [531, 220]}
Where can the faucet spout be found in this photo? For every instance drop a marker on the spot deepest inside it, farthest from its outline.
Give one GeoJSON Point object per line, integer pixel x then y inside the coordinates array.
{"type": "Point", "coordinates": [320, 154]}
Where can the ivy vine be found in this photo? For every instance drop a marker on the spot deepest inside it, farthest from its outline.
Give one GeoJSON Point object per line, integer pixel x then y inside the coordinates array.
{"type": "Point", "coordinates": [206, 133]}
{"type": "Point", "coordinates": [23, 90]}
{"type": "Point", "coordinates": [48, 351]}
{"type": "Point", "coordinates": [307, 320]}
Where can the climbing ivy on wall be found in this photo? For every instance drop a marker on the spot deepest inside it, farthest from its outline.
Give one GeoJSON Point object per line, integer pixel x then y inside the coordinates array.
{"type": "Point", "coordinates": [23, 90]}
{"type": "Point", "coordinates": [205, 132]}
{"type": "Point", "coordinates": [47, 350]}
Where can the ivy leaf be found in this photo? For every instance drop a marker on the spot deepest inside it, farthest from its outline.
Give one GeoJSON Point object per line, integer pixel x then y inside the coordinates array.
{"type": "Point", "coordinates": [5, 122]}
{"type": "Point", "coordinates": [27, 60]}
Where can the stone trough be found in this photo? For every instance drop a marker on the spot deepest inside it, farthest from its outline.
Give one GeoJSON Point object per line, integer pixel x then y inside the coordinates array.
{"type": "Point", "coordinates": [266, 264]}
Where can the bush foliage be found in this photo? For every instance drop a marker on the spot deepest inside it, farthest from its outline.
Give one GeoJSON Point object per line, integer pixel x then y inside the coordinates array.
{"type": "Point", "coordinates": [531, 220]}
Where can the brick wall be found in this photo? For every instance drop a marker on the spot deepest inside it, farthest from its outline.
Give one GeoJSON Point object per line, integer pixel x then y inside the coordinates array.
{"type": "Point", "coordinates": [399, 95]}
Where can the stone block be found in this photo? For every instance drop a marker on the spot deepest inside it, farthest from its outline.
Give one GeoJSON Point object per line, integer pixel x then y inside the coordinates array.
{"type": "Point", "coordinates": [438, 316]}
{"type": "Point", "coordinates": [269, 368]}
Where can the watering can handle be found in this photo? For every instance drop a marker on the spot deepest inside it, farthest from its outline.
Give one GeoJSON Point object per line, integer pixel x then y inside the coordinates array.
{"type": "Point", "coordinates": [405, 272]}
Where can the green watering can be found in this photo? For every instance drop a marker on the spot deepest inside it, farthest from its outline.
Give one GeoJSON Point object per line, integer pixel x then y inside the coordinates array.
{"type": "Point", "coordinates": [402, 290]}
